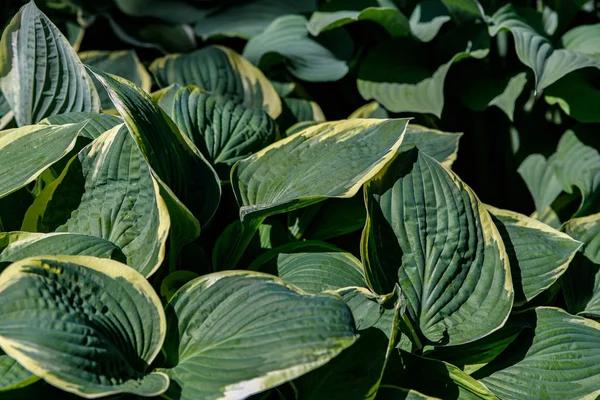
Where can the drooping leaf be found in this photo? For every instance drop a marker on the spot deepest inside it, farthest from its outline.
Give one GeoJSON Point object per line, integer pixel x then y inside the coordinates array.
{"type": "Point", "coordinates": [577, 96]}
{"type": "Point", "coordinates": [442, 146]}
{"type": "Point", "coordinates": [299, 110]}
{"type": "Point", "coordinates": [427, 19]}
{"type": "Point", "coordinates": [304, 58]}
{"type": "Point", "coordinates": [219, 70]}
{"type": "Point", "coordinates": [427, 231]}
{"type": "Point", "coordinates": [581, 39]}
{"type": "Point", "coordinates": [246, 20]}
{"type": "Point", "coordinates": [175, 281]}
{"type": "Point", "coordinates": [118, 200]}
{"type": "Point", "coordinates": [554, 360]}
{"type": "Point", "coordinates": [317, 272]}
{"type": "Point", "coordinates": [89, 326]}
{"type": "Point", "coordinates": [125, 64]}
{"type": "Point", "coordinates": [26, 152]}
{"type": "Point", "coordinates": [40, 73]}
{"type": "Point", "coordinates": [296, 171]}
{"type": "Point", "coordinates": [220, 334]}
{"type": "Point", "coordinates": [223, 131]}
{"type": "Point", "coordinates": [538, 254]}
{"type": "Point", "coordinates": [173, 11]}
{"type": "Point", "coordinates": [581, 282]}
{"type": "Point", "coordinates": [95, 124]}
{"type": "Point", "coordinates": [370, 110]}
{"type": "Point", "coordinates": [538, 174]}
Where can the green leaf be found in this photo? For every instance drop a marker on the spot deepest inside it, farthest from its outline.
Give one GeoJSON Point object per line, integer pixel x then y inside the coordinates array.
{"type": "Point", "coordinates": [434, 378]}
{"type": "Point", "coordinates": [473, 356]}
{"type": "Point", "coordinates": [12, 375]}
{"type": "Point", "coordinates": [304, 58]}
{"type": "Point", "coordinates": [26, 152]}
{"type": "Point", "coordinates": [117, 199]}
{"type": "Point", "coordinates": [267, 262]}
{"type": "Point", "coordinates": [427, 19]}
{"type": "Point", "coordinates": [221, 334]}
{"type": "Point", "coordinates": [535, 51]}
{"type": "Point", "coordinates": [6, 115]}
{"type": "Point", "coordinates": [173, 11]}
{"type": "Point", "coordinates": [236, 77]}
{"type": "Point", "coordinates": [175, 159]}
{"type": "Point", "coordinates": [538, 174]}
{"type": "Point", "coordinates": [391, 19]}
{"type": "Point", "coordinates": [538, 254]}
{"type": "Point", "coordinates": [95, 124]}
{"type": "Point", "coordinates": [318, 272]}
{"type": "Point", "coordinates": [246, 20]}
{"type": "Point", "coordinates": [581, 39]}
{"type": "Point", "coordinates": [86, 325]}
{"type": "Point", "coordinates": [125, 64]}
{"type": "Point", "coordinates": [404, 84]}
{"type": "Point", "coordinates": [397, 393]}
{"type": "Point", "coordinates": [577, 96]}
{"type": "Point", "coordinates": [463, 10]}
{"type": "Point", "coordinates": [554, 360]}
{"type": "Point", "coordinates": [577, 164]}
{"type": "Point", "coordinates": [427, 231]}
{"type": "Point", "coordinates": [223, 131]}
{"type": "Point", "coordinates": [296, 171]}
{"type": "Point", "coordinates": [581, 282]}
{"type": "Point", "coordinates": [370, 110]}
{"type": "Point", "coordinates": [40, 73]}
{"type": "Point", "coordinates": [442, 146]}
{"type": "Point", "coordinates": [16, 246]}
{"type": "Point", "coordinates": [300, 110]}
{"type": "Point", "coordinates": [173, 282]}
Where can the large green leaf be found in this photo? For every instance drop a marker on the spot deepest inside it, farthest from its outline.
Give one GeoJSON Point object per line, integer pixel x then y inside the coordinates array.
{"type": "Point", "coordinates": [428, 232]}
{"type": "Point", "coordinates": [538, 174]}
{"type": "Point", "coordinates": [317, 272]}
{"type": "Point", "coordinates": [267, 262]}
{"type": "Point", "coordinates": [123, 63]}
{"type": "Point", "coordinates": [581, 282]}
{"type": "Point", "coordinates": [188, 183]}
{"type": "Point", "coordinates": [219, 70]}
{"type": "Point", "coordinates": [248, 19]}
{"type": "Point", "coordinates": [538, 254]}
{"type": "Point", "coordinates": [221, 334]}
{"type": "Point", "coordinates": [557, 359]}
{"type": "Point", "coordinates": [304, 58]}
{"type": "Point", "coordinates": [298, 170]}
{"type": "Point", "coordinates": [223, 131]}
{"type": "Point", "coordinates": [95, 124]}
{"type": "Point", "coordinates": [536, 51]}
{"type": "Point", "coordinates": [16, 246]}
{"type": "Point", "coordinates": [89, 326]}
{"type": "Point", "coordinates": [13, 375]}
{"type": "Point", "coordinates": [427, 19]}
{"type": "Point", "coordinates": [26, 152]}
{"type": "Point", "coordinates": [581, 39]}
{"type": "Point", "coordinates": [117, 199]}
{"type": "Point", "coordinates": [40, 73]}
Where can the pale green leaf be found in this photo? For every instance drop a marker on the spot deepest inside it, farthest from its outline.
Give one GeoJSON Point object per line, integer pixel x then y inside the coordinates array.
{"type": "Point", "coordinates": [538, 254]}
{"type": "Point", "coordinates": [95, 124]}
{"type": "Point", "coordinates": [391, 19]}
{"type": "Point", "coordinates": [219, 70]}
{"type": "Point", "coordinates": [300, 110]}
{"type": "Point", "coordinates": [304, 58]}
{"type": "Point", "coordinates": [26, 152]}
{"type": "Point", "coordinates": [538, 174]}
{"type": "Point", "coordinates": [557, 359]}
{"type": "Point", "coordinates": [296, 171]}
{"type": "Point", "coordinates": [507, 99]}
{"type": "Point", "coordinates": [221, 338]}
{"type": "Point", "coordinates": [318, 272]}
{"type": "Point", "coordinates": [40, 73]}
{"type": "Point", "coordinates": [89, 326]}
{"type": "Point", "coordinates": [427, 231]}
{"type": "Point", "coordinates": [582, 39]}
{"type": "Point", "coordinates": [427, 19]}
{"type": "Point", "coordinates": [442, 146]}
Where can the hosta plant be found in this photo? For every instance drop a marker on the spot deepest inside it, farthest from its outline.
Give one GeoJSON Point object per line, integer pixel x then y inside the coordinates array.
{"type": "Point", "coordinates": [190, 226]}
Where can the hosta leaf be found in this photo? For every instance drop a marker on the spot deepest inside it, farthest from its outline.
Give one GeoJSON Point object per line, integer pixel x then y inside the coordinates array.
{"type": "Point", "coordinates": [299, 110]}
{"type": "Point", "coordinates": [538, 174]}
{"type": "Point", "coordinates": [577, 164]}
{"type": "Point", "coordinates": [434, 378]}
{"type": "Point", "coordinates": [171, 155]}
{"type": "Point", "coordinates": [16, 246]}
{"type": "Point", "coordinates": [40, 73]}
{"type": "Point", "coordinates": [95, 124]}
{"type": "Point", "coordinates": [6, 115]}
{"type": "Point", "coordinates": [370, 110]}
{"type": "Point", "coordinates": [538, 254]}
{"type": "Point", "coordinates": [317, 272]}
{"type": "Point", "coordinates": [577, 96]}
{"type": "Point", "coordinates": [117, 199]}
{"type": "Point", "coordinates": [557, 359]}
{"type": "Point", "coordinates": [246, 20]}
{"type": "Point", "coordinates": [13, 375]}
{"type": "Point", "coordinates": [223, 131]}
{"type": "Point", "coordinates": [13, 208]}
{"type": "Point", "coordinates": [165, 97]}
{"type": "Point", "coordinates": [472, 356]}
{"type": "Point", "coordinates": [267, 262]}
{"type": "Point", "coordinates": [428, 231]}
{"type": "Point", "coordinates": [463, 10]}
{"type": "Point", "coordinates": [304, 58]}
{"type": "Point", "coordinates": [219, 70]}
{"type": "Point", "coordinates": [442, 146]}
{"type": "Point", "coordinates": [582, 40]}
{"type": "Point", "coordinates": [221, 334]}
{"type": "Point", "coordinates": [173, 11]}
{"type": "Point", "coordinates": [124, 63]}
{"type": "Point", "coordinates": [296, 171]}
{"type": "Point", "coordinates": [26, 152]}
{"type": "Point", "coordinates": [427, 19]}
{"type": "Point", "coordinates": [581, 282]}
{"type": "Point", "coordinates": [535, 51]}
{"type": "Point", "coordinates": [89, 326]}
{"type": "Point", "coordinates": [391, 19]}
